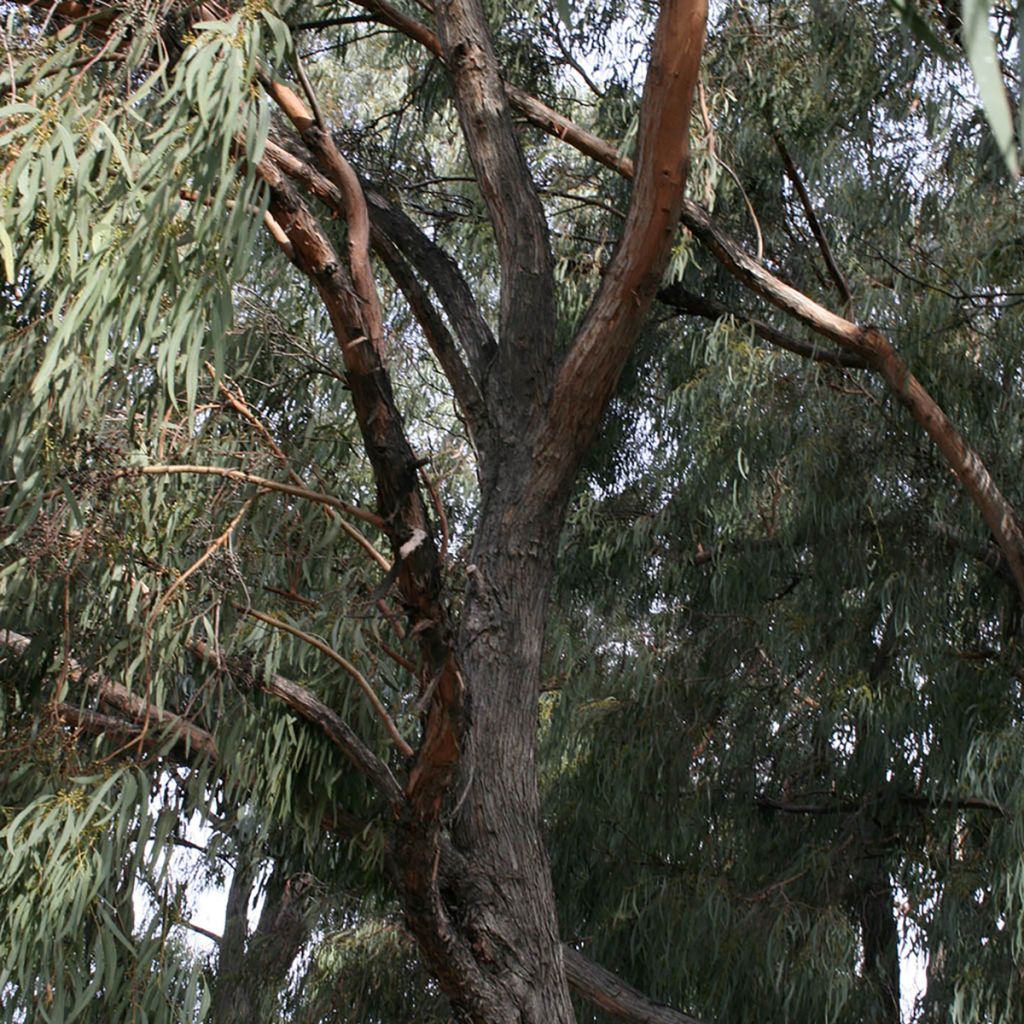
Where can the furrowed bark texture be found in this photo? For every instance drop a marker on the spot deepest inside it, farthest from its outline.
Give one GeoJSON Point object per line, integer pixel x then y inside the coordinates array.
{"type": "Point", "coordinates": [511, 921]}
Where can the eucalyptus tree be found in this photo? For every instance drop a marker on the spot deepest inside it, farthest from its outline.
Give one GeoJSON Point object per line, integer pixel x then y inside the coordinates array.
{"type": "Point", "coordinates": [331, 391]}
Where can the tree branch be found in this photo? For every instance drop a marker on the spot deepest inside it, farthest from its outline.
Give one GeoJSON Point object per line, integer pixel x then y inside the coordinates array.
{"type": "Point", "coordinates": [812, 220]}
{"type": "Point", "coordinates": [392, 230]}
{"type": "Point", "coordinates": [314, 711]}
{"type": "Point", "coordinates": [855, 806]}
{"type": "Point", "coordinates": [528, 315]}
{"type": "Point", "coordinates": [195, 740]}
{"type": "Point", "coordinates": [347, 666]}
{"type": "Point", "coordinates": [610, 993]}
{"type": "Point", "coordinates": [439, 338]}
{"type": "Point", "coordinates": [239, 404]}
{"type": "Point", "coordinates": [877, 351]}
{"type": "Point", "coordinates": [403, 511]}
{"type": "Point", "coordinates": [119, 730]}
{"type": "Point", "coordinates": [251, 478]}
{"type": "Point", "coordinates": [590, 371]}
{"type": "Point", "coordinates": [115, 695]}
{"type": "Point", "coordinates": [678, 298]}
{"type": "Point", "coordinates": [313, 132]}
{"type": "Point", "coordinates": [442, 274]}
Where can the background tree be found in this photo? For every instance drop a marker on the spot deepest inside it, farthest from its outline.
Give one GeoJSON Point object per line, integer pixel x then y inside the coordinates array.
{"type": "Point", "coordinates": [346, 462]}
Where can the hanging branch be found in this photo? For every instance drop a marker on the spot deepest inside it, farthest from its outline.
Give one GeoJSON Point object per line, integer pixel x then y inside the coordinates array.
{"type": "Point", "coordinates": [360, 680]}
{"type": "Point", "coordinates": [312, 130]}
{"type": "Point", "coordinates": [442, 274]}
{"type": "Point", "coordinates": [393, 232]}
{"type": "Point", "coordinates": [251, 478]}
{"type": "Point", "coordinates": [238, 403]}
{"type": "Point", "coordinates": [391, 227]}
{"type": "Point", "coordinates": [314, 711]}
{"type": "Point", "coordinates": [119, 697]}
{"type": "Point", "coordinates": [196, 740]}
{"type": "Point", "coordinates": [877, 351]}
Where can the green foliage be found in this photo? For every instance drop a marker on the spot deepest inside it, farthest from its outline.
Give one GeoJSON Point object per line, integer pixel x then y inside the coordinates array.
{"type": "Point", "coordinates": [72, 858]}
{"type": "Point", "coordinates": [369, 971]}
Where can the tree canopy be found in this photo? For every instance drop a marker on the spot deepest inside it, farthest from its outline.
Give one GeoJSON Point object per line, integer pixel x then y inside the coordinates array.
{"type": "Point", "coordinates": [523, 498]}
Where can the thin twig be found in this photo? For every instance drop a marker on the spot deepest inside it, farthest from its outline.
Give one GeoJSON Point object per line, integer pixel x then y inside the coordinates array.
{"type": "Point", "coordinates": [238, 403]}
{"type": "Point", "coordinates": [344, 663]}
{"type": "Point", "coordinates": [750, 206]}
{"type": "Point", "coordinates": [397, 658]}
{"type": "Point", "coordinates": [199, 930]}
{"type": "Point", "coordinates": [307, 88]}
{"type": "Point", "coordinates": [709, 139]}
{"type": "Point", "coordinates": [812, 220]}
{"type": "Point", "coordinates": [260, 481]}
{"type": "Point", "coordinates": [439, 510]}
{"type": "Point", "coordinates": [211, 549]}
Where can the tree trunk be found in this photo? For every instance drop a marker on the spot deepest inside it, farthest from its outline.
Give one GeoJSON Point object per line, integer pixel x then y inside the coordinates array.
{"type": "Point", "coordinates": [251, 969]}
{"type": "Point", "coordinates": [488, 929]}
{"type": "Point", "coordinates": [497, 892]}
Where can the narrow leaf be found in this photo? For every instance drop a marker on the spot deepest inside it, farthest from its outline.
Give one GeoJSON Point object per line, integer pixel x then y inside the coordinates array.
{"type": "Point", "coordinates": [981, 52]}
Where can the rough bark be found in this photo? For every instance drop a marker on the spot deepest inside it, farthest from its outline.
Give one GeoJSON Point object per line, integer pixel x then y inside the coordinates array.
{"type": "Point", "coordinates": [614, 996]}
{"type": "Point", "coordinates": [510, 921]}
{"type": "Point", "coordinates": [527, 316]}
{"type": "Point", "coordinates": [880, 937]}
{"type": "Point", "coordinates": [490, 933]}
